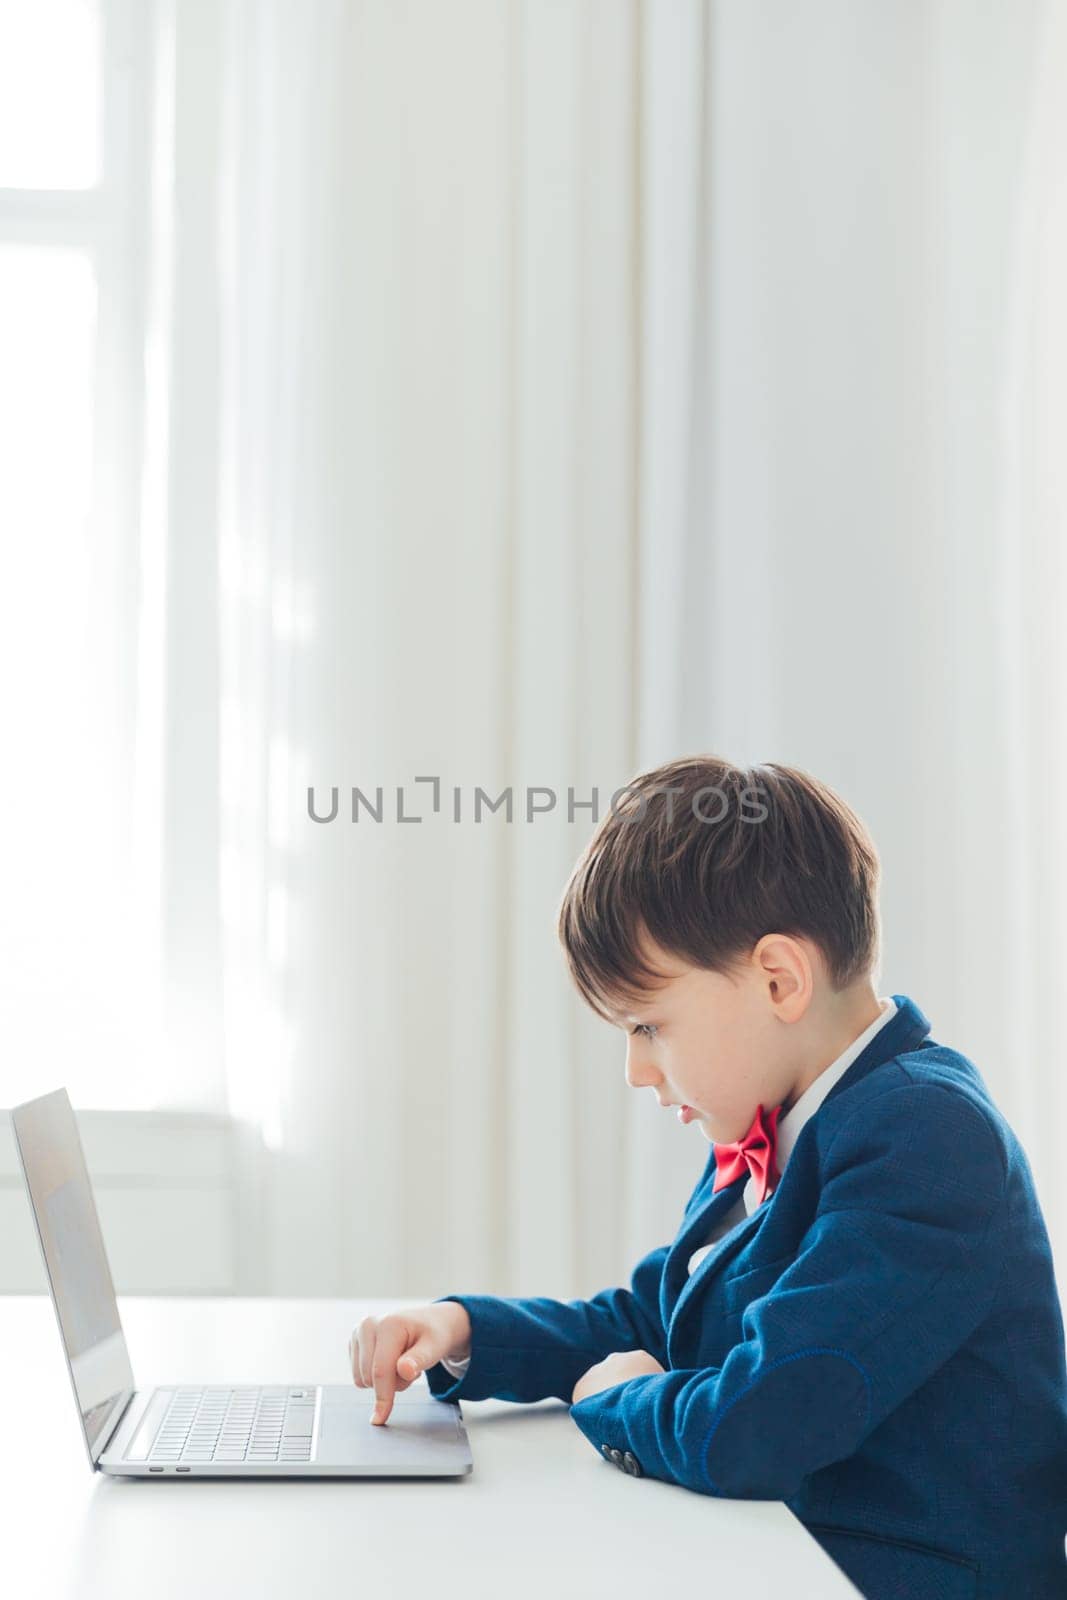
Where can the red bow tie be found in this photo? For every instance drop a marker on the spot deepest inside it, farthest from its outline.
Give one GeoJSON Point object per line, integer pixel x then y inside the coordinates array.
{"type": "Point", "coordinates": [754, 1153]}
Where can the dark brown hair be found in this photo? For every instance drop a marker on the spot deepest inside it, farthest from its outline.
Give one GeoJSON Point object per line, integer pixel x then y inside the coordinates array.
{"type": "Point", "coordinates": [706, 857]}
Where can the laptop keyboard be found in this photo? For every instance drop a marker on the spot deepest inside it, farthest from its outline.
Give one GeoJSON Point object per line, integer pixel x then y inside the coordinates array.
{"type": "Point", "coordinates": [187, 1425]}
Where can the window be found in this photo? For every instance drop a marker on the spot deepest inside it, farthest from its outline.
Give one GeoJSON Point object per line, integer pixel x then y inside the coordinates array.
{"type": "Point", "coordinates": [80, 637]}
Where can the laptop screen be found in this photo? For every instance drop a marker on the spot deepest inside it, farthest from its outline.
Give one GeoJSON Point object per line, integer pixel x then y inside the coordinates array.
{"type": "Point", "coordinates": [57, 1181]}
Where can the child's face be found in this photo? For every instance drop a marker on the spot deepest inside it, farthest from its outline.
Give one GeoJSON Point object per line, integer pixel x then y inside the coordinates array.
{"type": "Point", "coordinates": [723, 1044]}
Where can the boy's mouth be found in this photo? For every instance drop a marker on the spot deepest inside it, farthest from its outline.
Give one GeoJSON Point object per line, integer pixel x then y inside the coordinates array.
{"type": "Point", "coordinates": [686, 1114]}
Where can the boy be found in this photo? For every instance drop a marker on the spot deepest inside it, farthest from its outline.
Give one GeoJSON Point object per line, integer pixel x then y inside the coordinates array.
{"type": "Point", "coordinates": [859, 1313]}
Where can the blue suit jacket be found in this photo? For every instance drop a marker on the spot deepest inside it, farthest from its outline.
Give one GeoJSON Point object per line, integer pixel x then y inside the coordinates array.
{"type": "Point", "coordinates": [879, 1344]}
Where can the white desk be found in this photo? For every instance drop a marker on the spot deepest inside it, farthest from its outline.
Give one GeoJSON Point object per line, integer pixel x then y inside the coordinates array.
{"type": "Point", "coordinates": [541, 1513]}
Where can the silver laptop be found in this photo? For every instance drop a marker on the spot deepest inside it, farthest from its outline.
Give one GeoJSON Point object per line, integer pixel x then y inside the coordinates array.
{"type": "Point", "coordinates": [218, 1430]}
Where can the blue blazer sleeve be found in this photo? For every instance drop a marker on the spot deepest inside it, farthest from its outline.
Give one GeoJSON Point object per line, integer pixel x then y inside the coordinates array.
{"type": "Point", "coordinates": [898, 1268]}
{"type": "Point", "coordinates": [538, 1348]}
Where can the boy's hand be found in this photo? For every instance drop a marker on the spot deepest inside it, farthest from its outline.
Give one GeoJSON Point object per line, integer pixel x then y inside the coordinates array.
{"type": "Point", "coordinates": [616, 1368]}
{"type": "Point", "coordinates": [390, 1352]}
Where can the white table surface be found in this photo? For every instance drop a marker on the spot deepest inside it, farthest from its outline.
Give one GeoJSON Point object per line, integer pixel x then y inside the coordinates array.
{"type": "Point", "coordinates": [541, 1514]}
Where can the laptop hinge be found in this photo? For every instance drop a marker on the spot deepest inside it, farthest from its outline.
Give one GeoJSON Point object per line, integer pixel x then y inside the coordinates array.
{"type": "Point", "coordinates": [122, 1405]}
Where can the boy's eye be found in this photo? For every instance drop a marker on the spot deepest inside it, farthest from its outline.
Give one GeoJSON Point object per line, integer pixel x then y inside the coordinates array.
{"type": "Point", "coordinates": [647, 1028]}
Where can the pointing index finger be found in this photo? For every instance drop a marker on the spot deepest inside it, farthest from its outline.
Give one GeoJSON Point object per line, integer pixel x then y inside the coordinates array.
{"type": "Point", "coordinates": [386, 1354]}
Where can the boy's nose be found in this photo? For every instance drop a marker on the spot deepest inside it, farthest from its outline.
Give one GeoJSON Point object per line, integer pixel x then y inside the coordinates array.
{"type": "Point", "coordinates": [639, 1074]}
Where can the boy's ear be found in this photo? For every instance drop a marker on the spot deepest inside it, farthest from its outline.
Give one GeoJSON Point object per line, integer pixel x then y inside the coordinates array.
{"type": "Point", "coordinates": [786, 969]}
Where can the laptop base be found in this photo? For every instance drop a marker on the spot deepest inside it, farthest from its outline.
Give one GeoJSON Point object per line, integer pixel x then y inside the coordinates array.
{"type": "Point", "coordinates": [423, 1438]}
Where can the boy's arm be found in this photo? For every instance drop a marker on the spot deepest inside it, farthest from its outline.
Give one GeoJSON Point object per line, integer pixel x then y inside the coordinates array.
{"type": "Point", "coordinates": [525, 1349]}
{"type": "Point", "coordinates": [533, 1349]}
{"type": "Point", "coordinates": [895, 1273]}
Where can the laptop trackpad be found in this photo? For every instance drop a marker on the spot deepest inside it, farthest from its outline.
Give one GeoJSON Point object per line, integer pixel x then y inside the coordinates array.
{"type": "Point", "coordinates": [422, 1434]}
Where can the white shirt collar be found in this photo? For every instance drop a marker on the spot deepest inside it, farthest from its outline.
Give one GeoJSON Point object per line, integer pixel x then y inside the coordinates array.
{"type": "Point", "coordinates": [789, 1126]}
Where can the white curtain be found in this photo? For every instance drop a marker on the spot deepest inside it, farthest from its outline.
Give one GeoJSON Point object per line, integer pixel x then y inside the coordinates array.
{"type": "Point", "coordinates": [429, 462]}
{"type": "Point", "coordinates": [1029, 838]}
{"type": "Point", "coordinates": [596, 383]}
{"type": "Point", "coordinates": [863, 570]}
